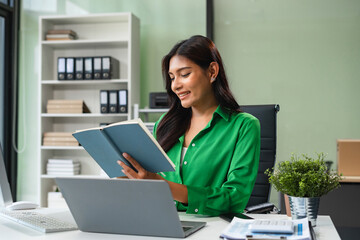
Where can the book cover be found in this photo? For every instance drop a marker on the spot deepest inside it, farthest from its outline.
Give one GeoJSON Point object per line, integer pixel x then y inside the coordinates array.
{"type": "Point", "coordinates": [106, 145]}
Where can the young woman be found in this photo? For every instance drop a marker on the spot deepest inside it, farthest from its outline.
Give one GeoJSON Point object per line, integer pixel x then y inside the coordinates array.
{"type": "Point", "coordinates": [214, 145]}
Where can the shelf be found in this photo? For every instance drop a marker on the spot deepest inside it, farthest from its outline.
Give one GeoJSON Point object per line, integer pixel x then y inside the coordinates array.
{"type": "Point", "coordinates": [153, 110]}
{"type": "Point", "coordinates": [73, 176]}
{"type": "Point", "coordinates": [81, 44]}
{"type": "Point", "coordinates": [89, 115]}
{"type": "Point", "coordinates": [83, 82]}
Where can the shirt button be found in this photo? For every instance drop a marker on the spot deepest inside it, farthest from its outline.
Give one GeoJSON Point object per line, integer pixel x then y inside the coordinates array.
{"type": "Point", "coordinates": [185, 162]}
{"type": "Point", "coordinates": [196, 210]}
{"type": "Point", "coordinates": [193, 144]}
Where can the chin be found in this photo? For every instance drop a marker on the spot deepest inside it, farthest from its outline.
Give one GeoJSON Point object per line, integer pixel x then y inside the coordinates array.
{"type": "Point", "coordinates": [185, 105]}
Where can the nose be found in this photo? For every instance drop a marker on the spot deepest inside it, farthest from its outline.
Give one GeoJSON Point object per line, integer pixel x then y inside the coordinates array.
{"type": "Point", "coordinates": [176, 84]}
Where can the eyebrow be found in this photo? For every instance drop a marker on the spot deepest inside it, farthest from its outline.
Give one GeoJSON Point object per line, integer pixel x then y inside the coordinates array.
{"type": "Point", "coordinates": [180, 69]}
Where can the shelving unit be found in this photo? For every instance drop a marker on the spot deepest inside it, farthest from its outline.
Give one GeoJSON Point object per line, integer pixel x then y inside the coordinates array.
{"type": "Point", "coordinates": [116, 35]}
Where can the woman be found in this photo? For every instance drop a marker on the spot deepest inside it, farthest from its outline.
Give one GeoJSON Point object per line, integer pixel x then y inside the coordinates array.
{"type": "Point", "coordinates": [214, 146]}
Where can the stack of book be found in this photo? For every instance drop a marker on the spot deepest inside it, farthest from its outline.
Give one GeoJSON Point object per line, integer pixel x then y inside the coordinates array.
{"type": "Point", "coordinates": [66, 106]}
{"type": "Point", "coordinates": [63, 167]}
{"type": "Point", "coordinates": [59, 139]}
{"type": "Point", "coordinates": [61, 35]}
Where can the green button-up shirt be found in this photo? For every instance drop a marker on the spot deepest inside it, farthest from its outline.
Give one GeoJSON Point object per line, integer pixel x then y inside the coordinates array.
{"type": "Point", "coordinates": [220, 165]}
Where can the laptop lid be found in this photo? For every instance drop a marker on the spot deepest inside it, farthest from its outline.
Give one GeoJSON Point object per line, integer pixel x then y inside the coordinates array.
{"type": "Point", "coordinates": [5, 193]}
{"type": "Point", "coordinates": [123, 206]}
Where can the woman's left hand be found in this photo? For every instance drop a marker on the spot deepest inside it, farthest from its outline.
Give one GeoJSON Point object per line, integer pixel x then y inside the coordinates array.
{"type": "Point", "coordinates": [141, 172]}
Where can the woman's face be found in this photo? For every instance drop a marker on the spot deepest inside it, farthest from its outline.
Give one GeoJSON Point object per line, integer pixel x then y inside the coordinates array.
{"type": "Point", "coordinates": [190, 82]}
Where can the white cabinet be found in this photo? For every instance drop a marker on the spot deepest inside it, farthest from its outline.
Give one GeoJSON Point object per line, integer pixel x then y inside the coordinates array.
{"type": "Point", "coordinates": [116, 35]}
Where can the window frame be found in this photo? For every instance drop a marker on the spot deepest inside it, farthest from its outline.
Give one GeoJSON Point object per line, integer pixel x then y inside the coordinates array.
{"type": "Point", "coordinates": [11, 16]}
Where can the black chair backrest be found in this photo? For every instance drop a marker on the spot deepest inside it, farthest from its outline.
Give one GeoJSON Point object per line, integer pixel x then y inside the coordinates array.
{"type": "Point", "coordinates": [267, 117]}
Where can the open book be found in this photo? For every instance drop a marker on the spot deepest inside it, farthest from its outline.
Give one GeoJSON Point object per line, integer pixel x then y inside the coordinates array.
{"type": "Point", "coordinates": [106, 145]}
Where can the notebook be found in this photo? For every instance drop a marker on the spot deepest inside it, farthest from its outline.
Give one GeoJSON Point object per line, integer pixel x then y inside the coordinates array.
{"type": "Point", "coordinates": [123, 206]}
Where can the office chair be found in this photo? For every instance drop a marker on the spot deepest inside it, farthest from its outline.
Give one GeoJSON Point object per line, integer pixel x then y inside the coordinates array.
{"type": "Point", "coordinates": [267, 117]}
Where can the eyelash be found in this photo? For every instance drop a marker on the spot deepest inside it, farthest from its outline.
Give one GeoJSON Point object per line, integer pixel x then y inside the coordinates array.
{"type": "Point", "coordinates": [184, 76]}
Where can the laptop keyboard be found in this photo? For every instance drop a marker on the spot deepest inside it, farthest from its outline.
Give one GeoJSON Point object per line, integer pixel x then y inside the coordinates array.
{"type": "Point", "coordinates": [38, 221]}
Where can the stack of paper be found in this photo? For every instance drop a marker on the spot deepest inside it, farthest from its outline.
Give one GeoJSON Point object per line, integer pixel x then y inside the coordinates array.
{"type": "Point", "coordinates": [239, 229]}
{"type": "Point", "coordinates": [59, 139]}
{"type": "Point", "coordinates": [66, 106]}
{"type": "Point", "coordinates": [61, 35]}
{"type": "Point", "coordinates": [63, 167]}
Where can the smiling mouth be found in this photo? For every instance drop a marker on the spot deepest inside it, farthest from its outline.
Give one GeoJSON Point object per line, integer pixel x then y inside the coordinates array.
{"type": "Point", "coordinates": [183, 94]}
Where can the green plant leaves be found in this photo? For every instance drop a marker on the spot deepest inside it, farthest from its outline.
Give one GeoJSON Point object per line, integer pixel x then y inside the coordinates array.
{"type": "Point", "coordinates": [303, 176]}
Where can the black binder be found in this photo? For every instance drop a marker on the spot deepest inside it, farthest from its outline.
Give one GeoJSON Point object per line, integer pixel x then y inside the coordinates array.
{"type": "Point", "coordinates": [123, 101]}
{"type": "Point", "coordinates": [113, 101]}
{"type": "Point", "coordinates": [61, 68]}
{"type": "Point", "coordinates": [70, 68]}
{"type": "Point", "coordinates": [79, 68]}
{"type": "Point", "coordinates": [97, 67]}
{"type": "Point", "coordinates": [104, 101]}
{"type": "Point", "coordinates": [88, 68]}
{"type": "Point", "coordinates": [110, 68]}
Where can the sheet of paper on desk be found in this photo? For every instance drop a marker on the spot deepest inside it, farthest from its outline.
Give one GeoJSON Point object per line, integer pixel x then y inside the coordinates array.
{"type": "Point", "coordinates": [239, 229]}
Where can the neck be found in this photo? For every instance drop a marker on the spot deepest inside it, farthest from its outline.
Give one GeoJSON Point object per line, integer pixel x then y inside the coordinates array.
{"type": "Point", "coordinates": [204, 110]}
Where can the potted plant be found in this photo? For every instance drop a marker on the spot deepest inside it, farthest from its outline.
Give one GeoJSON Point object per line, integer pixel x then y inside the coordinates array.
{"type": "Point", "coordinates": [304, 179]}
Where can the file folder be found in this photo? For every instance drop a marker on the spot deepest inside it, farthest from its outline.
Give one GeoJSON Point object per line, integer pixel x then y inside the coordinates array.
{"type": "Point", "coordinates": [123, 101]}
{"type": "Point", "coordinates": [104, 101]}
{"type": "Point", "coordinates": [61, 68]}
{"type": "Point", "coordinates": [110, 68]}
{"type": "Point", "coordinates": [88, 68]}
{"type": "Point", "coordinates": [79, 68]}
{"type": "Point", "coordinates": [70, 68]}
{"type": "Point", "coordinates": [97, 68]}
{"type": "Point", "coordinates": [113, 102]}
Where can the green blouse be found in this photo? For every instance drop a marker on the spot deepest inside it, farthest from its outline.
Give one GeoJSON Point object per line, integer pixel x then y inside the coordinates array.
{"type": "Point", "coordinates": [220, 165]}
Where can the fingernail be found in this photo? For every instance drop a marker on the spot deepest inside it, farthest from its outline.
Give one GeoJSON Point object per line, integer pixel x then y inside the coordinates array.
{"type": "Point", "coordinates": [125, 155]}
{"type": "Point", "coordinates": [119, 162]}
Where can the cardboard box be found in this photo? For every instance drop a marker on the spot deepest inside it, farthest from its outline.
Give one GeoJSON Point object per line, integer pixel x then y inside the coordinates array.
{"type": "Point", "coordinates": [348, 154]}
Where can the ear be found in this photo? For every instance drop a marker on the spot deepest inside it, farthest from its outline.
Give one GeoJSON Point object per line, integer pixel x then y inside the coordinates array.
{"type": "Point", "coordinates": [213, 71]}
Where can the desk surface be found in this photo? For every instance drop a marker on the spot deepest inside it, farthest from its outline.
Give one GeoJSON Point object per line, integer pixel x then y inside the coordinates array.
{"type": "Point", "coordinates": [325, 228]}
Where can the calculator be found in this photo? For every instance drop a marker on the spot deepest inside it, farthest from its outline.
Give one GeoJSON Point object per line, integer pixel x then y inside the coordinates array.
{"type": "Point", "coordinates": [272, 226]}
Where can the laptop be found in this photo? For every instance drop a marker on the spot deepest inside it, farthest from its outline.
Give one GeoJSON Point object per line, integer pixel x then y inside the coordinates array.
{"type": "Point", "coordinates": [124, 206]}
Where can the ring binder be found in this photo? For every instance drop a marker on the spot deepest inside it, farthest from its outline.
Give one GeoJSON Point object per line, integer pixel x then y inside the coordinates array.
{"type": "Point", "coordinates": [70, 68]}
{"type": "Point", "coordinates": [97, 67]}
{"type": "Point", "coordinates": [79, 68]}
{"type": "Point", "coordinates": [104, 101]}
{"type": "Point", "coordinates": [61, 68]}
{"type": "Point", "coordinates": [88, 68]}
{"type": "Point", "coordinates": [123, 101]}
{"type": "Point", "coordinates": [113, 101]}
{"type": "Point", "coordinates": [110, 68]}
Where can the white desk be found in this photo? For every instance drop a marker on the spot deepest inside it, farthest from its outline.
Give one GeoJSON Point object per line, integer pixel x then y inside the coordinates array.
{"type": "Point", "coordinates": [10, 230]}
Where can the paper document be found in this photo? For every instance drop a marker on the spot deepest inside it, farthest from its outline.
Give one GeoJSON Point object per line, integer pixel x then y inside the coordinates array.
{"type": "Point", "coordinates": [239, 229]}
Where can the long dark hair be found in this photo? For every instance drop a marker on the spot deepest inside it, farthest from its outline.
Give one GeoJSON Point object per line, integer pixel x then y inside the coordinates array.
{"type": "Point", "coordinates": [202, 51]}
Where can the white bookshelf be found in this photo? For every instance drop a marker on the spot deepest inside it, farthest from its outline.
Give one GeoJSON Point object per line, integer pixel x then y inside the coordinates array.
{"type": "Point", "coordinates": [116, 35]}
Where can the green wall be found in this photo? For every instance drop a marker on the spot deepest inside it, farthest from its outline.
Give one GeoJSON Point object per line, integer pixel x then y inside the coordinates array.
{"type": "Point", "coordinates": [301, 54]}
